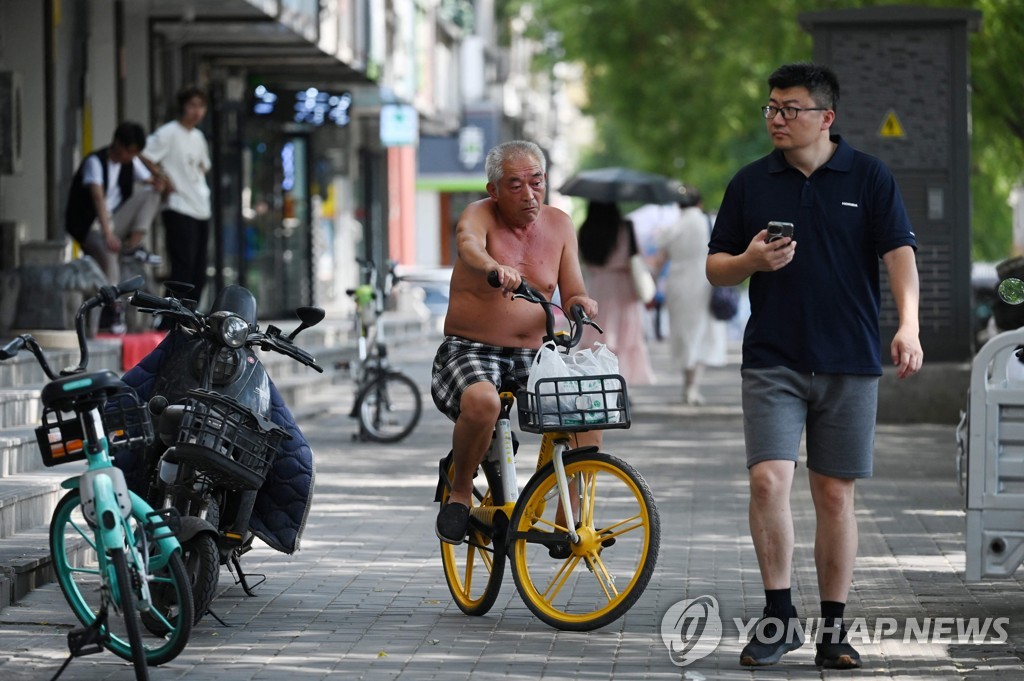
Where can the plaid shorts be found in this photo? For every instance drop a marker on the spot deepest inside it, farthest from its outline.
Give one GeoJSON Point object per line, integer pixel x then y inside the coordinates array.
{"type": "Point", "coordinates": [459, 363]}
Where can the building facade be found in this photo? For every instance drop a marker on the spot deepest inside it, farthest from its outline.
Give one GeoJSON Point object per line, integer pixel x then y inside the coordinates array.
{"type": "Point", "coordinates": [325, 117]}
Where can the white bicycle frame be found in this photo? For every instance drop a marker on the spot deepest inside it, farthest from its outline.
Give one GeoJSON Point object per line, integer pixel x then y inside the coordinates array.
{"type": "Point", "coordinates": [503, 453]}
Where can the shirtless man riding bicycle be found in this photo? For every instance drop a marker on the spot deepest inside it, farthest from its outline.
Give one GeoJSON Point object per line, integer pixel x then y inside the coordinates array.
{"type": "Point", "coordinates": [487, 336]}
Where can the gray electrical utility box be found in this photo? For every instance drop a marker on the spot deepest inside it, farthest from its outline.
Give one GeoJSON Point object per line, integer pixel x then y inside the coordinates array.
{"type": "Point", "coordinates": [903, 76]}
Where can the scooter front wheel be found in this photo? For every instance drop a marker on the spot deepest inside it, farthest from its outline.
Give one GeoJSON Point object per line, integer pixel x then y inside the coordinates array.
{"type": "Point", "coordinates": [202, 562]}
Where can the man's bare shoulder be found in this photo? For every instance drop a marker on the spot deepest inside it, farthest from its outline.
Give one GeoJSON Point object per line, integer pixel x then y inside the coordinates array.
{"type": "Point", "coordinates": [557, 219]}
{"type": "Point", "coordinates": [481, 208]}
{"type": "Point", "coordinates": [553, 213]}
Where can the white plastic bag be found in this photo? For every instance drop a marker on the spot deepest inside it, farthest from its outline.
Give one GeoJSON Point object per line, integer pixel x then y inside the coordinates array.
{"type": "Point", "coordinates": [550, 363]}
{"type": "Point", "coordinates": [576, 395]}
{"type": "Point", "coordinates": [595, 396]}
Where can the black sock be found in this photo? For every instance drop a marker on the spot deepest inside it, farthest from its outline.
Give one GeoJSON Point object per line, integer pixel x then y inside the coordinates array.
{"type": "Point", "coordinates": [779, 601]}
{"type": "Point", "coordinates": [832, 615]}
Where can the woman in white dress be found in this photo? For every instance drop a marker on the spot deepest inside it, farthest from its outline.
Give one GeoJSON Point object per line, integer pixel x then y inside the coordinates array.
{"type": "Point", "coordinates": [696, 338]}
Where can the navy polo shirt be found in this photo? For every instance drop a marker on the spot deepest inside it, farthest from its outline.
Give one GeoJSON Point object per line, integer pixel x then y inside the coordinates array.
{"type": "Point", "coordinates": [820, 312]}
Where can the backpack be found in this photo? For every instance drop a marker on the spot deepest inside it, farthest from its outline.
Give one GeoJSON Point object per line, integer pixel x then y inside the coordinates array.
{"type": "Point", "coordinates": [725, 302]}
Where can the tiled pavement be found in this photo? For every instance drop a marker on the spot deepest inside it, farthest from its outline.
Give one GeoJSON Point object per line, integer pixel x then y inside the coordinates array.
{"type": "Point", "coordinates": [365, 596]}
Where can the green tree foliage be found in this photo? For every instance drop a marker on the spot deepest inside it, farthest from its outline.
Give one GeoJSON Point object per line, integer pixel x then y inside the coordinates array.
{"type": "Point", "coordinates": [674, 87]}
{"type": "Point", "coordinates": [998, 127]}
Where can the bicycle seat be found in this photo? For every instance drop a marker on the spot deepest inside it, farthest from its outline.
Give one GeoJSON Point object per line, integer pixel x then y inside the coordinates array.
{"type": "Point", "coordinates": [62, 393]}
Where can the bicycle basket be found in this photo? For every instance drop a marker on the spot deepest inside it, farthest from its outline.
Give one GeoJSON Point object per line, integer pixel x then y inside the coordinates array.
{"type": "Point", "coordinates": [226, 441]}
{"type": "Point", "coordinates": [126, 422]}
{"type": "Point", "coordinates": [574, 403]}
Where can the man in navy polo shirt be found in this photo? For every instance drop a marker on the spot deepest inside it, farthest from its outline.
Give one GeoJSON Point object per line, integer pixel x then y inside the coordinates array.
{"type": "Point", "coordinates": [811, 356]}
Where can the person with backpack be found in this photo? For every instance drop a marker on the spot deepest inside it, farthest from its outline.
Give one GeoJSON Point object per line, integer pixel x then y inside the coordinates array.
{"type": "Point", "coordinates": [113, 200]}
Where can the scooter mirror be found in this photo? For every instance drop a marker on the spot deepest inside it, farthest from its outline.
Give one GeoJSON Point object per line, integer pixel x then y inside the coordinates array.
{"type": "Point", "coordinates": [1011, 291]}
{"type": "Point", "coordinates": [157, 404]}
{"type": "Point", "coordinates": [309, 316]}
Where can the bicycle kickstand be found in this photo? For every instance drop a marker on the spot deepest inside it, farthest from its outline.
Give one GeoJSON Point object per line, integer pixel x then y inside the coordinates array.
{"type": "Point", "coordinates": [85, 641]}
{"type": "Point", "coordinates": [89, 640]}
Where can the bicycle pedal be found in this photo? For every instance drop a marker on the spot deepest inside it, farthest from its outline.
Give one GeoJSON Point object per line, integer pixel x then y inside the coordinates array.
{"type": "Point", "coordinates": [85, 641]}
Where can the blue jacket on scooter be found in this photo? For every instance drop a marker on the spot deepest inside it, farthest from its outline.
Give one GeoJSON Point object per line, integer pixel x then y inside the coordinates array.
{"type": "Point", "coordinates": [282, 504]}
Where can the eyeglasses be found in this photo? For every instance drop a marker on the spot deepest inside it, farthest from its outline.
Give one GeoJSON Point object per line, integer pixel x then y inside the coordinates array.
{"type": "Point", "coordinates": [788, 112]}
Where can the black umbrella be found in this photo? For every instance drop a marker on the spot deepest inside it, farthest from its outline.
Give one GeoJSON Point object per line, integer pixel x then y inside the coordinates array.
{"type": "Point", "coordinates": [613, 185]}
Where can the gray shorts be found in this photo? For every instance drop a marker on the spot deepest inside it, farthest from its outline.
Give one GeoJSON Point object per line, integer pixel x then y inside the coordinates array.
{"type": "Point", "coordinates": [459, 363]}
{"type": "Point", "coordinates": [838, 410]}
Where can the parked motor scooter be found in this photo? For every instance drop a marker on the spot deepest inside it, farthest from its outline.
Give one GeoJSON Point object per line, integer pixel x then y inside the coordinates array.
{"type": "Point", "coordinates": [988, 444]}
{"type": "Point", "coordinates": [214, 407]}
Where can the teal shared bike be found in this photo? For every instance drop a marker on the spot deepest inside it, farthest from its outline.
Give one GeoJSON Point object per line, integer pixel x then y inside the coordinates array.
{"type": "Point", "coordinates": [116, 559]}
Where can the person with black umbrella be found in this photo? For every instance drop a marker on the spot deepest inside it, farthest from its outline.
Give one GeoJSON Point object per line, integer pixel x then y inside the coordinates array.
{"type": "Point", "coordinates": [607, 242]}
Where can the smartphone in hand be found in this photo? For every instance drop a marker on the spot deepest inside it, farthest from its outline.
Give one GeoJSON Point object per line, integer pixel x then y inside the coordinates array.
{"type": "Point", "coordinates": [777, 230]}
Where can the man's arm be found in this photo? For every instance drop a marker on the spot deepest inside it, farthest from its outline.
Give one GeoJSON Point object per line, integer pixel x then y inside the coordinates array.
{"type": "Point", "coordinates": [726, 269]}
{"type": "Point", "coordinates": [99, 203]}
{"type": "Point", "coordinates": [905, 349]}
{"type": "Point", "coordinates": [161, 183]}
{"type": "Point", "coordinates": [153, 154]}
{"type": "Point", "coordinates": [475, 223]}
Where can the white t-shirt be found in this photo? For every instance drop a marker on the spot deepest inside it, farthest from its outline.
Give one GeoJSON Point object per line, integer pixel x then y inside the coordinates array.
{"type": "Point", "coordinates": [93, 174]}
{"type": "Point", "coordinates": [185, 158]}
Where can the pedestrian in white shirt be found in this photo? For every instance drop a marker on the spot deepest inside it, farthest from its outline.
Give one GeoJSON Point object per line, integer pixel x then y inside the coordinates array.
{"type": "Point", "coordinates": [180, 151]}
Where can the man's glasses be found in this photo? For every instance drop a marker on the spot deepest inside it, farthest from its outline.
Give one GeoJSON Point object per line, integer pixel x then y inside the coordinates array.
{"type": "Point", "coordinates": [788, 112]}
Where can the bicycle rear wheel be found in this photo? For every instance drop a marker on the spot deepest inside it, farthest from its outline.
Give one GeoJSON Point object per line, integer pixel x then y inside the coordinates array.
{"type": "Point", "coordinates": [389, 406]}
{"type": "Point", "coordinates": [607, 571]}
{"type": "Point", "coordinates": [168, 624]}
{"type": "Point", "coordinates": [474, 569]}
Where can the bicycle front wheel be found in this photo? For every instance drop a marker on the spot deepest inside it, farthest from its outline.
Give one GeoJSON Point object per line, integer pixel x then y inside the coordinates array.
{"type": "Point", "coordinates": [389, 407]}
{"type": "Point", "coordinates": [126, 603]}
{"type": "Point", "coordinates": [584, 586]}
{"type": "Point", "coordinates": [473, 569]}
{"type": "Point", "coordinates": [168, 623]}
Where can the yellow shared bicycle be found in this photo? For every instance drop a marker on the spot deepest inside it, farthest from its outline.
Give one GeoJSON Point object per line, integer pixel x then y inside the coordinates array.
{"type": "Point", "coordinates": [583, 534]}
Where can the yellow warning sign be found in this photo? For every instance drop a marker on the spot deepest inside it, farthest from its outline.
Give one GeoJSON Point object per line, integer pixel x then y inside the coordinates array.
{"type": "Point", "coordinates": [891, 126]}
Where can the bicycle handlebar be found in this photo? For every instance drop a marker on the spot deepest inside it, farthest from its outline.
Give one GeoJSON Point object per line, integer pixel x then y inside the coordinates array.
{"type": "Point", "coordinates": [576, 314]}
{"type": "Point", "coordinates": [105, 296]}
{"type": "Point", "coordinates": [13, 347]}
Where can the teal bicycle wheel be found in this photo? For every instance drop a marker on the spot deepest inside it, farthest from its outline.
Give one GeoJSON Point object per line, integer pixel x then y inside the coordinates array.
{"type": "Point", "coordinates": [78, 566]}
